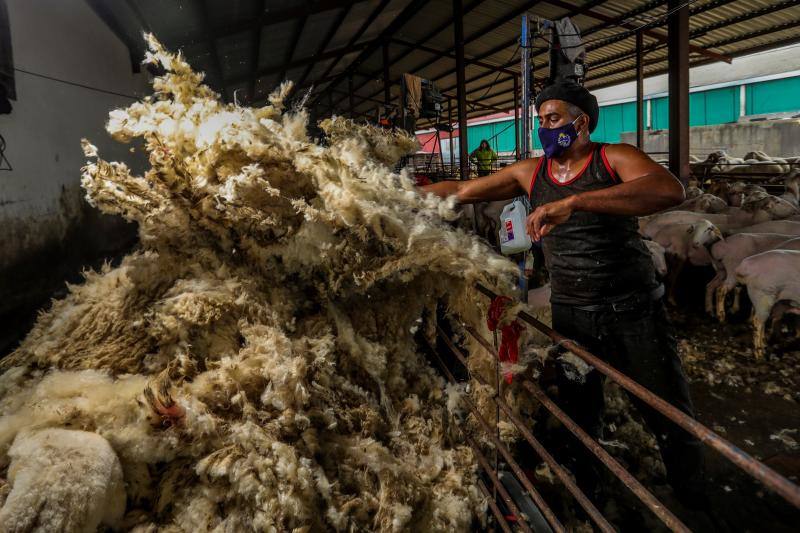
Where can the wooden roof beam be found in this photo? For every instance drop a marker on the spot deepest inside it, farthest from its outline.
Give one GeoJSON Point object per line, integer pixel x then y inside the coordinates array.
{"type": "Point", "coordinates": [650, 33]}
{"type": "Point", "coordinates": [442, 53]}
{"type": "Point", "coordinates": [310, 60]}
{"type": "Point", "coordinates": [269, 17]}
{"type": "Point", "coordinates": [355, 37]}
{"type": "Point", "coordinates": [334, 27]}
{"type": "Point", "coordinates": [475, 35]}
{"type": "Point", "coordinates": [411, 9]}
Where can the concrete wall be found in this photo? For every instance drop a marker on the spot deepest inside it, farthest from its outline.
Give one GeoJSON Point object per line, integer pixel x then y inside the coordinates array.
{"type": "Point", "coordinates": [47, 230]}
{"type": "Point", "coordinates": [775, 137]}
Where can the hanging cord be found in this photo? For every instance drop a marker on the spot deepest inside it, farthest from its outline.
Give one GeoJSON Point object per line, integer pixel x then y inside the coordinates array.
{"type": "Point", "coordinates": [75, 84]}
{"type": "Point", "coordinates": [5, 164]}
{"type": "Point", "coordinates": [472, 106]}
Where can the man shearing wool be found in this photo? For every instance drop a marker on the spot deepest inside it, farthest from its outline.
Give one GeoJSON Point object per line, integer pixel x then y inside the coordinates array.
{"type": "Point", "coordinates": [605, 294]}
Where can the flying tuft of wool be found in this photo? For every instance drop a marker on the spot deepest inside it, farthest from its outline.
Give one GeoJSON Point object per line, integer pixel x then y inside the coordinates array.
{"type": "Point", "coordinates": [253, 363]}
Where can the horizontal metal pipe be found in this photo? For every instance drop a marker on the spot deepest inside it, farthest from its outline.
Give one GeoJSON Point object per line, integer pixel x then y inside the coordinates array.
{"type": "Point", "coordinates": [724, 174]}
{"type": "Point", "coordinates": [666, 516]}
{"type": "Point", "coordinates": [710, 164]}
{"type": "Point", "coordinates": [487, 428]}
{"type": "Point", "coordinates": [557, 469]}
{"type": "Point", "coordinates": [498, 515]}
{"type": "Point", "coordinates": [484, 463]}
{"type": "Point", "coordinates": [770, 478]}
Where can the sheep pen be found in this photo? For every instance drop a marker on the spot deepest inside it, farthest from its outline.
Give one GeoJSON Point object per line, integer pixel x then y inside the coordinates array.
{"type": "Point", "coordinates": [252, 364]}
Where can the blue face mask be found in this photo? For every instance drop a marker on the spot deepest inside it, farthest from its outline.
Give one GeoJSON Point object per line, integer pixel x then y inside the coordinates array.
{"type": "Point", "coordinates": [555, 141]}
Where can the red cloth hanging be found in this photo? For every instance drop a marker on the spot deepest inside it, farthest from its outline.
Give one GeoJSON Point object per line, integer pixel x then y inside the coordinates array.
{"type": "Point", "coordinates": [509, 333]}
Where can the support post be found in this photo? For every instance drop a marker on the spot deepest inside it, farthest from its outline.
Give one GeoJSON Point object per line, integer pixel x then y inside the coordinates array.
{"type": "Point", "coordinates": [450, 123]}
{"type": "Point", "coordinates": [678, 54]}
{"type": "Point", "coordinates": [387, 96]}
{"type": "Point", "coordinates": [525, 98]}
{"type": "Point", "coordinates": [516, 117]}
{"type": "Point", "coordinates": [458, 33]}
{"type": "Point", "coordinates": [639, 93]}
{"type": "Point", "coordinates": [351, 103]}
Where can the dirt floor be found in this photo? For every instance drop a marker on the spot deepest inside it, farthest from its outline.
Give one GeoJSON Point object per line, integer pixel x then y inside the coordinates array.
{"type": "Point", "coordinates": [752, 403]}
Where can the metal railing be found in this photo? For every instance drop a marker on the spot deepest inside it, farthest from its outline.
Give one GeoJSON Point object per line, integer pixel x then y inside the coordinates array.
{"type": "Point", "coordinates": [436, 168]}
{"type": "Point", "coordinates": [759, 471]}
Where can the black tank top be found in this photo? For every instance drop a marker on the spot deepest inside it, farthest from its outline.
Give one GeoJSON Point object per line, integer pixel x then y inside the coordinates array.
{"type": "Point", "coordinates": [592, 258]}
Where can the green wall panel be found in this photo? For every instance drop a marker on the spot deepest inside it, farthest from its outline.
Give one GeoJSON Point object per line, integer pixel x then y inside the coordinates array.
{"type": "Point", "coordinates": [613, 120]}
{"type": "Point", "coordinates": [659, 113]}
{"type": "Point", "coordinates": [499, 134]}
{"type": "Point", "coordinates": [721, 105]}
{"type": "Point", "coordinates": [697, 109]}
{"type": "Point", "coordinates": [773, 96]}
{"type": "Point", "coordinates": [475, 134]}
{"type": "Point", "coordinates": [504, 135]}
{"type": "Point", "coordinates": [716, 106]}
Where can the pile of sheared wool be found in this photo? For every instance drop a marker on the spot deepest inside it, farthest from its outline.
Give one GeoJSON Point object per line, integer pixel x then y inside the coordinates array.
{"type": "Point", "coordinates": [252, 365]}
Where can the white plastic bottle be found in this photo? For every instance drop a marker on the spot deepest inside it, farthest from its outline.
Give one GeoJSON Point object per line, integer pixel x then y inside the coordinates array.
{"type": "Point", "coordinates": [513, 237]}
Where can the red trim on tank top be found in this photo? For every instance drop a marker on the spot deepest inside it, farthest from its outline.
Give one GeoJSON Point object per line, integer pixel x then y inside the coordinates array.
{"type": "Point", "coordinates": [535, 173]}
{"type": "Point", "coordinates": [608, 165]}
{"type": "Point", "coordinates": [578, 175]}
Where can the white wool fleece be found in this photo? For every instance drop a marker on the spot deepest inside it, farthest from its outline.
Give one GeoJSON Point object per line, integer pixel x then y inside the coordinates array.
{"type": "Point", "coordinates": [253, 364]}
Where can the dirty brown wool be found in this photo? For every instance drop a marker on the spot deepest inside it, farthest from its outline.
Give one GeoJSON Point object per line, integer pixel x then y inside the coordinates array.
{"type": "Point", "coordinates": [252, 365]}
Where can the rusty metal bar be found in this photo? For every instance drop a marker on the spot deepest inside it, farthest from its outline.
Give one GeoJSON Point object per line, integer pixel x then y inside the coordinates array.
{"type": "Point", "coordinates": [387, 95]}
{"type": "Point", "coordinates": [461, 89]}
{"type": "Point", "coordinates": [534, 494]}
{"type": "Point", "coordinates": [669, 519]}
{"type": "Point", "coordinates": [558, 470]}
{"type": "Point", "coordinates": [678, 81]}
{"type": "Point", "coordinates": [639, 92]}
{"type": "Point", "coordinates": [498, 485]}
{"type": "Point", "coordinates": [498, 515]}
{"type": "Point", "coordinates": [516, 116]}
{"type": "Point", "coordinates": [770, 478]}
{"type": "Point", "coordinates": [497, 384]}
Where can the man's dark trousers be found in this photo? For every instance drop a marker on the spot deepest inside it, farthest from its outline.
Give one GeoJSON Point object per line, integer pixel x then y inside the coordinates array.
{"type": "Point", "coordinates": [638, 341]}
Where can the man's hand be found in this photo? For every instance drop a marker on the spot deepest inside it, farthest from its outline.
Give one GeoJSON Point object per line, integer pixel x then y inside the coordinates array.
{"type": "Point", "coordinates": [545, 217]}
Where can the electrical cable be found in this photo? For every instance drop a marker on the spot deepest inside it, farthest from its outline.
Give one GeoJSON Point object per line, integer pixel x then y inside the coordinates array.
{"type": "Point", "coordinates": [513, 54]}
{"type": "Point", "coordinates": [3, 158]}
{"type": "Point", "coordinates": [632, 31]}
{"type": "Point", "coordinates": [75, 84]}
{"type": "Point", "coordinates": [654, 21]}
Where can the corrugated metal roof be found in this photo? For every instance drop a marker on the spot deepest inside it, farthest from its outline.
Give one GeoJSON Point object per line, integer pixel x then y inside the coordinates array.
{"type": "Point", "coordinates": [318, 42]}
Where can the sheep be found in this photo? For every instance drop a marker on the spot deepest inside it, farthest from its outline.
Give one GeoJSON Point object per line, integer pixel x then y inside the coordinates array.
{"type": "Point", "coordinates": [63, 480]}
{"type": "Point", "coordinates": [726, 255]}
{"type": "Point", "coordinates": [703, 203]}
{"type": "Point", "coordinates": [650, 225]}
{"type": "Point", "coordinates": [791, 182]}
{"type": "Point", "coordinates": [657, 254]}
{"type": "Point", "coordinates": [786, 227]}
{"type": "Point", "coordinates": [686, 242]}
{"type": "Point", "coordinates": [771, 277]}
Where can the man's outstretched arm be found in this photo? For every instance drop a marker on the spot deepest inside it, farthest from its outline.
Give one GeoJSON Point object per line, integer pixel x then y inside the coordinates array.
{"type": "Point", "coordinates": [502, 185]}
{"type": "Point", "coordinates": [646, 188]}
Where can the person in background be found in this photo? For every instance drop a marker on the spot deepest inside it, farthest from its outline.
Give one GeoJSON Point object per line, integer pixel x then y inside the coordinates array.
{"type": "Point", "coordinates": [483, 157]}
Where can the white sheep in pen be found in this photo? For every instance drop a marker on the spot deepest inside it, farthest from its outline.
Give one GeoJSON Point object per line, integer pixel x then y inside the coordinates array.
{"type": "Point", "coordinates": [773, 284]}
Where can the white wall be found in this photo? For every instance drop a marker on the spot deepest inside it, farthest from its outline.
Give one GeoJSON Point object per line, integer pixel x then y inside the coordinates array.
{"type": "Point", "coordinates": [62, 39]}
{"type": "Point", "coordinates": [40, 200]}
